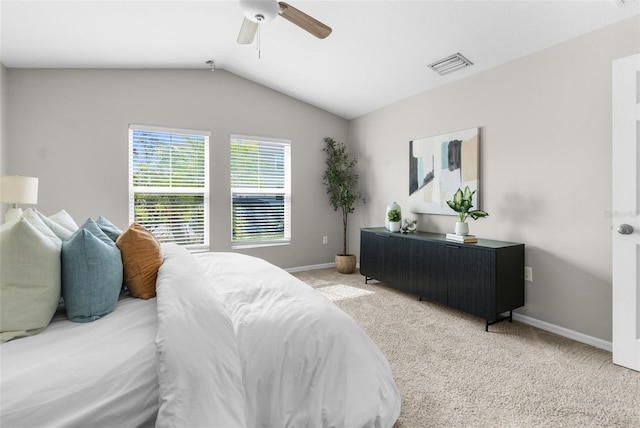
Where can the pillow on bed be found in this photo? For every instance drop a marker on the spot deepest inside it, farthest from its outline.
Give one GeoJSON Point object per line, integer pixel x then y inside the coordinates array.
{"type": "Point", "coordinates": [65, 220]}
{"type": "Point", "coordinates": [29, 277]}
{"type": "Point", "coordinates": [59, 230]}
{"type": "Point", "coordinates": [141, 258]}
{"type": "Point", "coordinates": [91, 274]}
{"type": "Point", "coordinates": [109, 228]}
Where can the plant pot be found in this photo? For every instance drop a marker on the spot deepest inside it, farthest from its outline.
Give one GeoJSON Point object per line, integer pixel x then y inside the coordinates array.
{"type": "Point", "coordinates": [462, 228]}
{"type": "Point", "coordinates": [391, 206]}
{"type": "Point", "coordinates": [345, 264]}
{"type": "Point", "coordinates": [394, 226]}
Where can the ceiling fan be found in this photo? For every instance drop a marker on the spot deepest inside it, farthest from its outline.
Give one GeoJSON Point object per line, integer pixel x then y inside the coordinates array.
{"type": "Point", "coordinates": [259, 11]}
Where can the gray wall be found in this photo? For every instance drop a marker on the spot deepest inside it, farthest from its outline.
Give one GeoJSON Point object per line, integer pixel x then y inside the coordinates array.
{"type": "Point", "coordinates": [4, 103]}
{"type": "Point", "coordinates": [69, 128]}
{"type": "Point", "coordinates": [545, 167]}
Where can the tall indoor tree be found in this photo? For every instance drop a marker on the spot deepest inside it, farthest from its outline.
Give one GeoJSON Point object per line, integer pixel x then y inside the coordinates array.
{"type": "Point", "coordinates": [341, 180]}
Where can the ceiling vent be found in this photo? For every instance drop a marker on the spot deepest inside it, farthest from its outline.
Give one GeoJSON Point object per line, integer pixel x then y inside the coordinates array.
{"type": "Point", "coordinates": [450, 64]}
{"type": "Point", "coordinates": [621, 3]}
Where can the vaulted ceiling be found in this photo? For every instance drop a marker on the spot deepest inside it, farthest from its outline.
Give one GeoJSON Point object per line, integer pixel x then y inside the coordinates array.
{"type": "Point", "coordinates": [378, 52]}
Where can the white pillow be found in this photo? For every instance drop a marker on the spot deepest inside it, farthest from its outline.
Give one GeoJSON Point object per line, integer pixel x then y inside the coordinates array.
{"type": "Point", "coordinates": [59, 230]}
{"type": "Point", "coordinates": [30, 277]}
{"type": "Point", "coordinates": [65, 220]}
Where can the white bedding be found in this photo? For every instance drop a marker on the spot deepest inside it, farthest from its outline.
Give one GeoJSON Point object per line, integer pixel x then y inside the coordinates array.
{"type": "Point", "coordinates": [198, 364]}
{"type": "Point", "coordinates": [71, 373]}
{"type": "Point", "coordinates": [305, 363]}
{"type": "Point", "coordinates": [233, 341]}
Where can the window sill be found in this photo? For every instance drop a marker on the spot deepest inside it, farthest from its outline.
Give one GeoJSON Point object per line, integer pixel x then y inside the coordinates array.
{"type": "Point", "coordinates": [198, 250]}
{"type": "Point", "coordinates": [242, 246]}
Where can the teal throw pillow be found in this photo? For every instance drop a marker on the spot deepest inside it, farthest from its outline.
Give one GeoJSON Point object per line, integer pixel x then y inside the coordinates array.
{"type": "Point", "coordinates": [91, 273]}
{"type": "Point", "coordinates": [109, 228]}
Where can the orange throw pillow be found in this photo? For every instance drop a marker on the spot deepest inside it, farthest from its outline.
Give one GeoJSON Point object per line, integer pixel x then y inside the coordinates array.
{"type": "Point", "coordinates": [141, 259]}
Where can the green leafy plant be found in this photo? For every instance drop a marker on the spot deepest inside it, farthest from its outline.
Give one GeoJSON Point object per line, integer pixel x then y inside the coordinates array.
{"type": "Point", "coordinates": [462, 204]}
{"type": "Point", "coordinates": [342, 182]}
{"type": "Point", "coordinates": [394, 215]}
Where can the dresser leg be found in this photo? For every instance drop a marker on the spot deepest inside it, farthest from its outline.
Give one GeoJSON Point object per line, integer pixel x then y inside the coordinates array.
{"type": "Point", "coordinates": [497, 320]}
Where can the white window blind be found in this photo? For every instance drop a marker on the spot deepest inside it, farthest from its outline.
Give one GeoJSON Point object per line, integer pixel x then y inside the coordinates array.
{"type": "Point", "coordinates": [169, 184]}
{"type": "Point", "coordinates": [260, 191]}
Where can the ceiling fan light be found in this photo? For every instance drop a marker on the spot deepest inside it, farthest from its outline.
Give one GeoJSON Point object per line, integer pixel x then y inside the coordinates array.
{"type": "Point", "coordinates": [266, 9]}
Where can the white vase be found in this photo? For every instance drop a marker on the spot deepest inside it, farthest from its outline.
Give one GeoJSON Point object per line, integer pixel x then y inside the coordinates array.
{"type": "Point", "coordinates": [462, 228]}
{"type": "Point", "coordinates": [391, 206]}
{"type": "Point", "coordinates": [394, 226]}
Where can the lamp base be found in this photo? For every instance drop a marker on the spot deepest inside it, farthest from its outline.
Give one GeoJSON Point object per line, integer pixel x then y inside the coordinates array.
{"type": "Point", "coordinates": [12, 214]}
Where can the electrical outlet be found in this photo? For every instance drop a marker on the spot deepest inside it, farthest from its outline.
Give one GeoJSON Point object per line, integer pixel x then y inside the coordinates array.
{"type": "Point", "coordinates": [325, 240]}
{"type": "Point", "coordinates": [528, 274]}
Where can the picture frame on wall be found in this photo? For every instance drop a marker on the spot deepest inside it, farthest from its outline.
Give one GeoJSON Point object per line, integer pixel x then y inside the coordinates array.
{"type": "Point", "coordinates": [439, 166]}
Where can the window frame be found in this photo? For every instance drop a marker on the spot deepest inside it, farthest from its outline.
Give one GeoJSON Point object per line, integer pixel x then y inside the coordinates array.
{"type": "Point", "coordinates": [285, 191]}
{"type": "Point", "coordinates": [204, 191]}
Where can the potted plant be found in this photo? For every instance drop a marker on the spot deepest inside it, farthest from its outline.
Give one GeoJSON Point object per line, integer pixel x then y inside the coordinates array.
{"type": "Point", "coordinates": [342, 187]}
{"type": "Point", "coordinates": [394, 218]}
{"type": "Point", "coordinates": [462, 204]}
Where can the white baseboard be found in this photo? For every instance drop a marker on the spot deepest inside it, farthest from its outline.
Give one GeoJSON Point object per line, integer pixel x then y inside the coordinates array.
{"type": "Point", "coordinates": [310, 267]}
{"type": "Point", "coordinates": [565, 332]}
{"type": "Point", "coordinates": [543, 325]}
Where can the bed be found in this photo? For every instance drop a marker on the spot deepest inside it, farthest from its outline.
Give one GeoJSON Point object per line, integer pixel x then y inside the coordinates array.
{"type": "Point", "coordinates": [229, 341]}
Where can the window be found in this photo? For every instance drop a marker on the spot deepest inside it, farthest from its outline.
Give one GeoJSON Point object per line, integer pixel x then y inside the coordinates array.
{"type": "Point", "coordinates": [169, 184]}
{"type": "Point", "coordinates": [260, 191]}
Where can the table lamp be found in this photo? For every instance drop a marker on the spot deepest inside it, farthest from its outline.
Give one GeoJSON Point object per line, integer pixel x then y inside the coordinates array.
{"type": "Point", "coordinates": [16, 190]}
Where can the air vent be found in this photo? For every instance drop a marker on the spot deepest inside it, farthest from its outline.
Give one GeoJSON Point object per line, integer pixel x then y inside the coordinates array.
{"type": "Point", "coordinates": [621, 3]}
{"type": "Point", "coordinates": [450, 64]}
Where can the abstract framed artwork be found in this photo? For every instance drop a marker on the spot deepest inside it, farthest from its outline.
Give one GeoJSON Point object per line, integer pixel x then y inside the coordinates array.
{"type": "Point", "coordinates": [440, 165]}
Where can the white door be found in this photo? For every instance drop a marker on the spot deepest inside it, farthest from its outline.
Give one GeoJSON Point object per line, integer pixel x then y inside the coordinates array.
{"type": "Point", "coordinates": [626, 209]}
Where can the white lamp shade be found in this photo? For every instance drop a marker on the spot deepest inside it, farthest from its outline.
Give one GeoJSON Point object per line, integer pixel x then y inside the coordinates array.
{"type": "Point", "coordinates": [15, 189]}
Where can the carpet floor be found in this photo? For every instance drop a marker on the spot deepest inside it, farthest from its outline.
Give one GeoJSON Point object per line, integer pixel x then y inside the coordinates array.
{"type": "Point", "coordinates": [451, 373]}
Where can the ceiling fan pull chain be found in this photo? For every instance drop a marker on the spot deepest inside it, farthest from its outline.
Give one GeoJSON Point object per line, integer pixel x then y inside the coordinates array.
{"type": "Point", "coordinates": [258, 40]}
{"type": "Point", "coordinates": [259, 19]}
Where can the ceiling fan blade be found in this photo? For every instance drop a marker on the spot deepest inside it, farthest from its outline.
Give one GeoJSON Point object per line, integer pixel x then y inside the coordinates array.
{"type": "Point", "coordinates": [304, 21]}
{"type": "Point", "coordinates": [247, 32]}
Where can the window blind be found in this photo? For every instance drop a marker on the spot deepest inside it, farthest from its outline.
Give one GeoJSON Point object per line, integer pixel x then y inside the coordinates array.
{"type": "Point", "coordinates": [169, 184]}
{"type": "Point", "coordinates": [260, 191]}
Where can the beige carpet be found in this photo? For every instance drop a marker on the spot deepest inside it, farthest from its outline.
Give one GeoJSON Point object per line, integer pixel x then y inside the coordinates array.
{"type": "Point", "coordinates": [451, 373]}
{"type": "Point", "coordinates": [342, 292]}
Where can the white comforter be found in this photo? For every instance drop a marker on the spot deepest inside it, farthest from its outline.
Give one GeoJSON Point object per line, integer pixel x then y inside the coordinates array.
{"type": "Point", "coordinates": [242, 343]}
{"type": "Point", "coordinates": [97, 374]}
